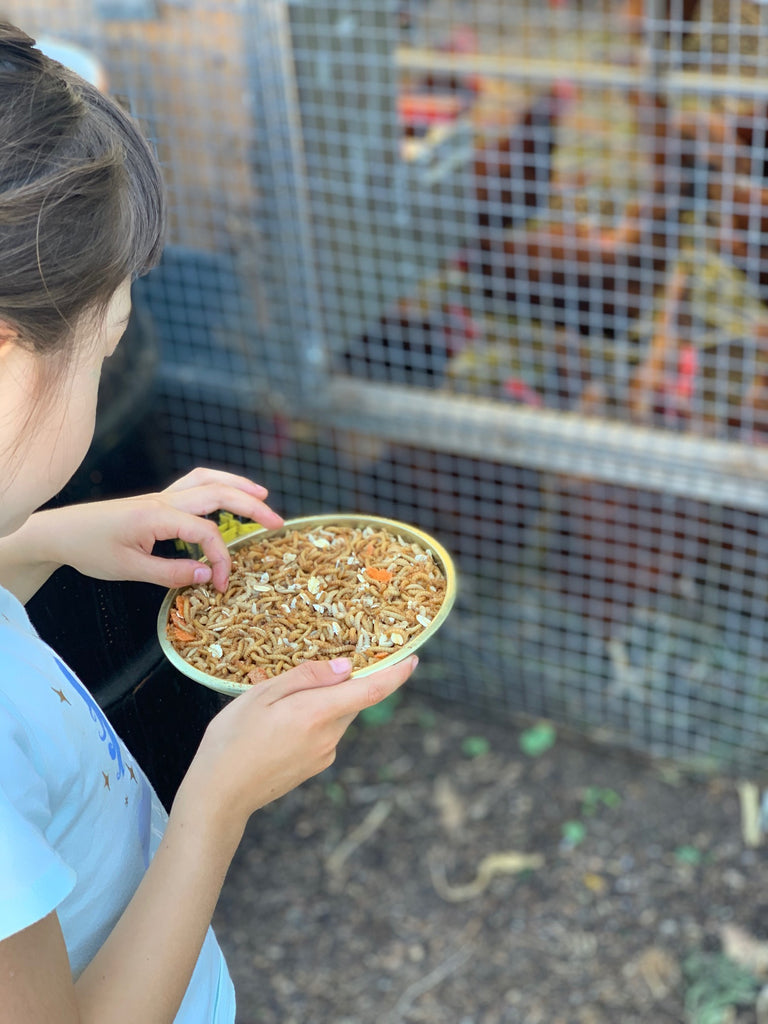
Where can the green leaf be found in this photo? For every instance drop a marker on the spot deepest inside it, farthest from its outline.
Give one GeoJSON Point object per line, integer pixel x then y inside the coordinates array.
{"type": "Point", "coordinates": [426, 718]}
{"type": "Point", "coordinates": [590, 801]}
{"type": "Point", "coordinates": [336, 794]}
{"type": "Point", "coordinates": [688, 855]}
{"type": "Point", "coordinates": [475, 746]}
{"type": "Point", "coordinates": [610, 797]}
{"type": "Point", "coordinates": [714, 984]}
{"type": "Point", "coordinates": [573, 832]}
{"type": "Point", "coordinates": [538, 739]}
{"type": "Point", "coordinates": [596, 795]}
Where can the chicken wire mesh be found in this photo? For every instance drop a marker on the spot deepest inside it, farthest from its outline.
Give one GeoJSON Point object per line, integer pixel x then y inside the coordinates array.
{"type": "Point", "coordinates": [495, 269]}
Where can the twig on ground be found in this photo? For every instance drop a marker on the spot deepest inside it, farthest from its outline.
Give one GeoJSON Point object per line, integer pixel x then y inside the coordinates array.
{"type": "Point", "coordinates": [431, 980]}
{"type": "Point", "coordinates": [373, 820]}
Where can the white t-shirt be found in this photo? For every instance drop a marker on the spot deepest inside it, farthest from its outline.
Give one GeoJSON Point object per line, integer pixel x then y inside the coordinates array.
{"type": "Point", "coordinates": [79, 821]}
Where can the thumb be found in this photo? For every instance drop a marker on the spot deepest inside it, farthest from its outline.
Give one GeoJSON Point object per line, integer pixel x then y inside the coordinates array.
{"type": "Point", "coordinates": [309, 675]}
{"type": "Point", "coordinates": [348, 699]}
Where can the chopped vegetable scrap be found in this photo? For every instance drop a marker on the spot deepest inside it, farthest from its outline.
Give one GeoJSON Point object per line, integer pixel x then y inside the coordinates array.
{"type": "Point", "coordinates": [380, 575]}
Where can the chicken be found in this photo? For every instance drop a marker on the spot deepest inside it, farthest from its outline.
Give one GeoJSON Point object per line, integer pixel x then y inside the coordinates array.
{"type": "Point", "coordinates": [725, 141]}
{"type": "Point", "coordinates": [524, 365]}
{"type": "Point", "coordinates": [732, 195]}
{"type": "Point", "coordinates": [570, 276]}
{"type": "Point", "coordinates": [662, 386]}
{"type": "Point", "coordinates": [750, 129]}
{"type": "Point", "coordinates": [740, 214]}
{"type": "Point", "coordinates": [592, 281]}
{"type": "Point", "coordinates": [410, 345]}
{"type": "Point", "coordinates": [718, 140]}
{"type": "Point", "coordinates": [512, 174]}
{"type": "Point", "coordinates": [732, 150]}
{"type": "Point", "coordinates": [679, 147]}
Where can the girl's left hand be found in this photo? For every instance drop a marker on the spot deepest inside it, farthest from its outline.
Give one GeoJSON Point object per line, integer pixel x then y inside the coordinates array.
{"type": "Point", "coordinates": [113, 540]}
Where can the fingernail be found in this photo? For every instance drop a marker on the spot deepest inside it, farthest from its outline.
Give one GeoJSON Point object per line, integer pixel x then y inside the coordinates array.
{"type": "Point", "coordinates": [202, 574]}
{"type": "Point", "coordinates": [341, 665]}
{"type": "Point", "coordinates": [414, 662]}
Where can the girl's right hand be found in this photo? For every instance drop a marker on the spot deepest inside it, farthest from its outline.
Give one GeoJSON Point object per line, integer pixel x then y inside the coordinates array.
{"type": "Point", "coordinates": [272, 738]}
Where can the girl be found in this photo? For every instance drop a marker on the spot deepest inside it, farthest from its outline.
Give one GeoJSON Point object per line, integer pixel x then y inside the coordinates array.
{"type": "Point", "coordinates": [105, 904]}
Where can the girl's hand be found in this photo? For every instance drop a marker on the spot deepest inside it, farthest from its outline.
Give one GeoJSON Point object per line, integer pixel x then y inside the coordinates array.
{"type": "Point", "coordinates": [275, 736]}
{"type": "Point", "coordinates": [113, 540]}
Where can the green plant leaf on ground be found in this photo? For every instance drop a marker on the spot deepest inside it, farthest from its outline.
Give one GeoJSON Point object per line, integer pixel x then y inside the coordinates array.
{"type": "Point", "coordinates": [426, 718]}
{"type": "Point", "coordinates": [382, 712]}
{"type": "Point", "coordinates": [475, 746]}
{"type": "Point", "coordinates": [594, 796]}
{"type": "Point", "coordinates": [688, 855]}
{"type": "Point", "coordinates": [538, 739]}
{"type": "Point", "coordinates": [715, 984]}
{"type": "Point", "coordinates": [336, 793]}
{"type": "Point", "coordinates": [573, 832]}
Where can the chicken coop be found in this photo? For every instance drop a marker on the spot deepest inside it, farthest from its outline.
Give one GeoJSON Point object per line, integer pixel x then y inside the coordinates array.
{"type": "Point", "coordinates": [498, 269]}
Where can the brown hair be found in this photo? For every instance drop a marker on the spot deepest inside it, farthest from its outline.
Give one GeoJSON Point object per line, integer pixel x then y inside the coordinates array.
{"type": "Point", "coordinates": [82, 203]}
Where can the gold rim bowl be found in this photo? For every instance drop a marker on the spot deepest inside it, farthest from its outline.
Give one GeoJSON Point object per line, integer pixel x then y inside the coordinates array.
{"type": "Point", "coordinates": [408, 533]}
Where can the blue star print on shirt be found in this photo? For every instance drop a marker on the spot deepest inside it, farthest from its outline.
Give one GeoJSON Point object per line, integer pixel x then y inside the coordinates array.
{"type": "Point", "coordinates": [106, 733]}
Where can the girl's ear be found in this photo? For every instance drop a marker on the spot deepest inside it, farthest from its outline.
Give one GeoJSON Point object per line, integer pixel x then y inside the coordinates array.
{"type": "Point", "coordinates": [8, 334]}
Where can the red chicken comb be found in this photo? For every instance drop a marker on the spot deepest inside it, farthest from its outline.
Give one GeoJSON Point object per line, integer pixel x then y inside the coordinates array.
{"type": "Point", "coordinates": [517, 389]}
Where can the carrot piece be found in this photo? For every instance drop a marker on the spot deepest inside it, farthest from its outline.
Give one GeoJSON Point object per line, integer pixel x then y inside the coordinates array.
{"type": "Point", "coordinates": [380, 575]}
{"type": "Point", "coordinates": [179, 621]}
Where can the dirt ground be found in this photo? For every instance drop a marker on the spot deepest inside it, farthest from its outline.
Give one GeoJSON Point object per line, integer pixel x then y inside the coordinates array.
{"type": "Point", "coordinates": [452, 870]}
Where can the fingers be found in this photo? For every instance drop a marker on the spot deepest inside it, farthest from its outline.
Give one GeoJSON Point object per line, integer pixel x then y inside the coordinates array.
{"type": "Point", "coordinates": [178, 513]}
{"type": "Point", "coordinates": [171, 572]}
{"type": "Point", "coordinates": [208, 497]}
{"type": "Point", "coordinates": [184, 572]}
{"type": "Point", "coordinates": [201, 476]}
{"type": "Point", "coordinates": [168, 523]}
{"type": "Point", "coordinates": [194, 530]}
{"type": "Point", "coordinates": [350, 696]}
{"type": "Point", "coordinates": [309, 675]}
{"type": "Point", "coordinates": [203, 491]}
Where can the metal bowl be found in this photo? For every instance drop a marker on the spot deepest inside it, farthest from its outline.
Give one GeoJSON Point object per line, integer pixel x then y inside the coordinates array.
{"type": "Point", "coordinates": [408, 533]}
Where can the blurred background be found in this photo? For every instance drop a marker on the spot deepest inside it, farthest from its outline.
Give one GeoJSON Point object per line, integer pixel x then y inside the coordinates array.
{"type": "Point", "coordinates": [492, 267]}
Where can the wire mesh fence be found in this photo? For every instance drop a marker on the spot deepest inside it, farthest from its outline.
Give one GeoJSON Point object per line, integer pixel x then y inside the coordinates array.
{"type": "Point", "coordinates": [495, 269]}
